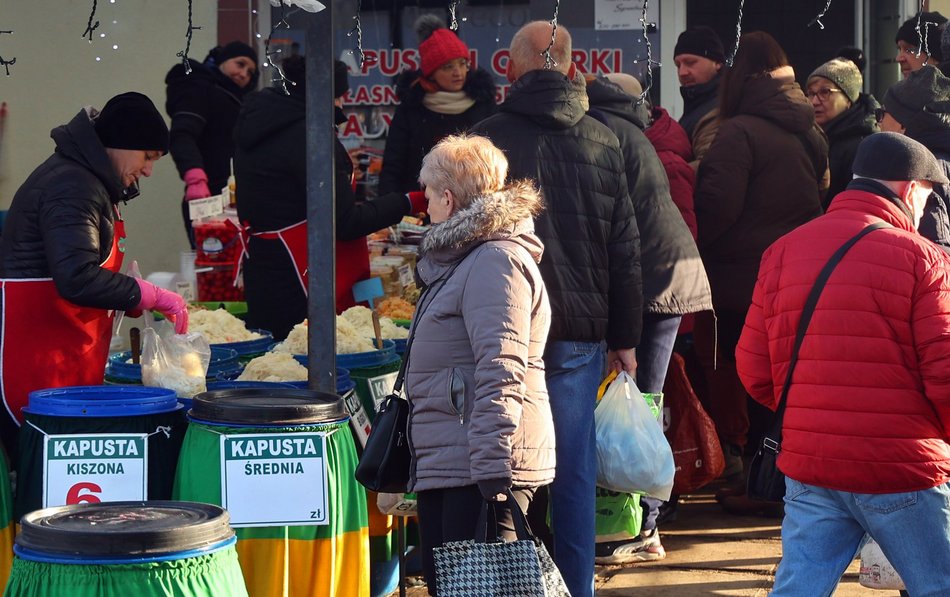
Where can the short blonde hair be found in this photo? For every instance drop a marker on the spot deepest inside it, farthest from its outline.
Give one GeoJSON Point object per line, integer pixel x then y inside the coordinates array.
{"type": "Point", "coordinates": [468, 165]}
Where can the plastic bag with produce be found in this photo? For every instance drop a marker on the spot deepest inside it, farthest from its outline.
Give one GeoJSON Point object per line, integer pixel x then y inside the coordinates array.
{"type": "Point", "coordinates": [177, 362]}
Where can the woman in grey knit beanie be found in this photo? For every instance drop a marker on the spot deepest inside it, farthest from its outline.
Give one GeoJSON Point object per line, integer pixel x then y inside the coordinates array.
{"type": "Point", "coordinates": [844, 113]}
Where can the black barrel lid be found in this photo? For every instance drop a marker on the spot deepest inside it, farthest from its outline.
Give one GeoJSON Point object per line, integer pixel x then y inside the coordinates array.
{"type": "Point", "coordinates": [117, 529]}
{"type": "Point", "coordinates": [267, 406]}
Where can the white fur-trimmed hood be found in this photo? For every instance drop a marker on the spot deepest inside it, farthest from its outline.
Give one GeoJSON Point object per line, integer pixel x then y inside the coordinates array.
{"type": "Point", "coordinates": [501, 215]}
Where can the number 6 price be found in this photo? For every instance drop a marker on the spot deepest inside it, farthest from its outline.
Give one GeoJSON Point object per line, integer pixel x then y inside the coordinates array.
{"type": "Point", "coordinates": [75, 495]}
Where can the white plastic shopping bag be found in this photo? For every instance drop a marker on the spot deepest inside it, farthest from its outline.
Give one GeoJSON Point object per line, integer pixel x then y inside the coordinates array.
{"type": "Point", "coordinates": [876, 572]}
{"type": "Point", "coordinates": [633, 456]}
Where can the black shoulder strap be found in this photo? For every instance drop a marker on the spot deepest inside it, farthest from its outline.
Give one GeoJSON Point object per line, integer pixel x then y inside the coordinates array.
{"type": "Point", "coordinates": [774, 437]}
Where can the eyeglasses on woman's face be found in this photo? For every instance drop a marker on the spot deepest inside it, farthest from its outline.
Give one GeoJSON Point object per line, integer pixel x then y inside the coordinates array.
{"type": "Point", "coordinates": [879, 114]}
{"type": "Point", "coordinates": [822, 94]}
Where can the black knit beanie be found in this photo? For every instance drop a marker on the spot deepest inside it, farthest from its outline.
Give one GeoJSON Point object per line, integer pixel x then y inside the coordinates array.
{"type": "Point", "coordinates": [131, 121]}
{"type": "Point", "coordinates": [235, 49]}
{"type": "Point", "coordinates": [921, 102]}
{"type": "Point", "coordinates": [701, 41]}
{"type": "Point", "coordinates": [931, 33]}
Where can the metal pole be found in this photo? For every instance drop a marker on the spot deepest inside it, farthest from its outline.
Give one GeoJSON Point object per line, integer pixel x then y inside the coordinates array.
{"type": "Point", "coordinates": [321, 216]}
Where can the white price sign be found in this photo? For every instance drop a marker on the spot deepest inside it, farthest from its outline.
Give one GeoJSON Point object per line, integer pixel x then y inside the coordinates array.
{"type": "Point", "coordinates": [90, 469]}
{"type": "Point", "coordinates": [274, 479]}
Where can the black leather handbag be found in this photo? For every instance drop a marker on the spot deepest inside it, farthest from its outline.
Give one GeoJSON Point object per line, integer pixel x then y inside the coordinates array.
{"type": "Point", "coordinates": [384, 465]}
{"type": "Point", "coordinates": [766, 482]}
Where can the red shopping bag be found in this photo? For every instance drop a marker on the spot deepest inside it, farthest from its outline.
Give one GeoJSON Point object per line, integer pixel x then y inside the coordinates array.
{"type": "Point", "coordinates": [697, 454]}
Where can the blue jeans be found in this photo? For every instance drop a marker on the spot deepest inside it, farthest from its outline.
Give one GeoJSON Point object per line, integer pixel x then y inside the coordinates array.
{"type": "Point", "coordinates": [574, 371]}
{"type": "Point", "coordinates": [653, 359]}
{"type": "Point", "coordinates": [823, 529]}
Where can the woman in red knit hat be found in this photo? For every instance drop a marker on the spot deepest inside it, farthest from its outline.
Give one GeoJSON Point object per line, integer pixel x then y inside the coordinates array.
{"type": "Point", "coordinates": [445, 97]}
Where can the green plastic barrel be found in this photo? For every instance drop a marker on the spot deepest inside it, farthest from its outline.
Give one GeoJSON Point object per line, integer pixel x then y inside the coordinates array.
{"type": "Point", "coordinates": [90, 444]}
{"type": "Point", "coordinates": [282, 462]}
{"type": "Point", "coordinates": [121, 549]}
{"type": "Point", "coordinates": [374, 382]}
{"type": "Point", "coordinates": [7, 528]}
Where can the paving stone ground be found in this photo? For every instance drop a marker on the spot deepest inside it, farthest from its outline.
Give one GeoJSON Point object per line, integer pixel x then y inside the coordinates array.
{"type": "Point", "coordinates": [709, 552]}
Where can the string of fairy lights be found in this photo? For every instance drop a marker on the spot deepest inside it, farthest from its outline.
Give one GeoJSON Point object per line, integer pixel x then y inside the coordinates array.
{"type": "Point", "coordinates": [271, 54]}
{"type": "Point", "coordinates": [358, 31]}
{"type": "Point", "coordinates": [549, 61]}
{"type": "Point", "coordinates": [648, 78]}
{"type": "Point", "coordinates": [183, 54]}
{"type": "Point", "coordinates": [93, 24]}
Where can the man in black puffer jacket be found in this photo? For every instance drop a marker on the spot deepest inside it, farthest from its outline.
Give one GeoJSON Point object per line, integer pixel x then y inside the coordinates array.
{"type": "Point", "coordinates": [591, 266]}
{"type": "Point", "coordinates": [62, 250]}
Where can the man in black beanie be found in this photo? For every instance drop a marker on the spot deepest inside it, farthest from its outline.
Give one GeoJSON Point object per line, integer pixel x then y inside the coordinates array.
{"type": "Point", "coordinates": [699, 57]}
{"type": "Point", "coordinates": [61, 254]}
{"type": "Point", "coordinates": [914, 49]}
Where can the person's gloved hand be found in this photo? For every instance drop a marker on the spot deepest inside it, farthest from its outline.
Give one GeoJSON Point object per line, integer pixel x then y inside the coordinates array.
{"type": "Point", "coordinates": [196, 182]}
{"type": "Point", "coordinates": [417, 202]}
{"type": "Point", "coordinates": [166, 302]}
{"type": "Point", "coordinates": [493, 490]}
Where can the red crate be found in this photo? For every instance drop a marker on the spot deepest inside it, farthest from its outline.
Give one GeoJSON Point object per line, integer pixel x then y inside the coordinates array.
{"type": "Point", "coordinates": [217, 284]}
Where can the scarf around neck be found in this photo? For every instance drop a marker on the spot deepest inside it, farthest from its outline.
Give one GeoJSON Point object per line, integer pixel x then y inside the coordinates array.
{"type": "Point", "coordinates": [448, 102]}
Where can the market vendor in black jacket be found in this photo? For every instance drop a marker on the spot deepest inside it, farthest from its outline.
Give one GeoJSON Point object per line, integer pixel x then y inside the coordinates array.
{"type": "Point", "coordinates": [591, 266]}
{"type": "Point", "coordinates": [62, 248]}
{"type": "Point", "coordinates": [270, 164]}
{"type": "Point", "coordinates": [203, 104]}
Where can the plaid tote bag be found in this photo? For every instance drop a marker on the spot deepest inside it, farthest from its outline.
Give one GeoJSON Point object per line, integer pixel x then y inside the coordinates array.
{"type": "Point", "coordinates": [521, 568]}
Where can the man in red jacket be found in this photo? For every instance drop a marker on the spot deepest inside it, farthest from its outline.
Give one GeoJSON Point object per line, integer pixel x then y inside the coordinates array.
{"type": "Point", "coordinates": [867, 422]}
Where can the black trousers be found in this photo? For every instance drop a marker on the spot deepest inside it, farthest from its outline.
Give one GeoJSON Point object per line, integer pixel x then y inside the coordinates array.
{"type": "Point", "coordinates": [451, 515]}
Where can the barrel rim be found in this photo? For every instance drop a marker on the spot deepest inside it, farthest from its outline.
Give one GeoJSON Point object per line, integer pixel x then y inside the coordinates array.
{"type": "Point", "coordinates": [201, 527]}
{"type": "Point", "coordinates": [256, 406]}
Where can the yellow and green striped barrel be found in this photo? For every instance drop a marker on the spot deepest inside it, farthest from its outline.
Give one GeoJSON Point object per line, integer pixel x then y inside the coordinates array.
{"type": "Point", "coordinates": [331, 560]}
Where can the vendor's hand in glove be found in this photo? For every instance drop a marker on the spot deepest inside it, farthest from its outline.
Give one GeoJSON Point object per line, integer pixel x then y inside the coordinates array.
{"type": "Point", "coordinates": [196, 182]}
{"type": "Point", "coordinates": [493, 490]}
{"type": "Point", "coordinates": [166, 302]}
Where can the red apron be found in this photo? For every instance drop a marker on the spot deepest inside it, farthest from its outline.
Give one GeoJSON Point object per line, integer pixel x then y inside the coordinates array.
{"type": "Point", "coordinates": [352, 259]}
{"type": "Point", "coordinates": [49, 342]}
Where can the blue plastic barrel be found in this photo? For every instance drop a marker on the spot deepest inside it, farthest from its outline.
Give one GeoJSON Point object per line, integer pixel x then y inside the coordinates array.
{"type": "Point", "coordinates": [343, 382]}
{"type": "Point", "coordinates": [248, 349]}
{"type": "Point", "coordinates": [225, 363]}
{"type": "Point", "coordinates": [98, 411]}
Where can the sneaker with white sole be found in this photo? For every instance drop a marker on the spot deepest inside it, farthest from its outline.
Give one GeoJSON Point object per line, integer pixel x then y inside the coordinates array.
{"type": "Point", "coordinates": [645, 548]}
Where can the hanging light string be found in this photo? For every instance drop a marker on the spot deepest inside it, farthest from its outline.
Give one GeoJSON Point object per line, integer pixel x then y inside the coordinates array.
{"type": "Point", "coordinates": [650, 62]}
{"type": "Point", "coordinates": [7, 63]}
{"type": "Point", "coordinates": [922, 35]}
{"type": "Point", "coordinates": [735, 51]}
{"type": "Point", "coordinates": [184, 53]}
{"type": "Point", "coordinates": [817, 20]}
{"type": "Point", "coordinates": [453, 9]}
{"type": "Point", "coordinates": [358, 30]}
{"type": "Point", "coordinates": [90, 26]}
{"type": "Point", "coordinates": [281, 23]}
{"type": "Point", "coordinates": [549, 61]}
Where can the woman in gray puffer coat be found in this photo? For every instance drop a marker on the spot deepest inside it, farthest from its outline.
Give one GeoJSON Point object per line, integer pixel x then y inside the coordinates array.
{"type": "Point", "coordinates": [480, 422]}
